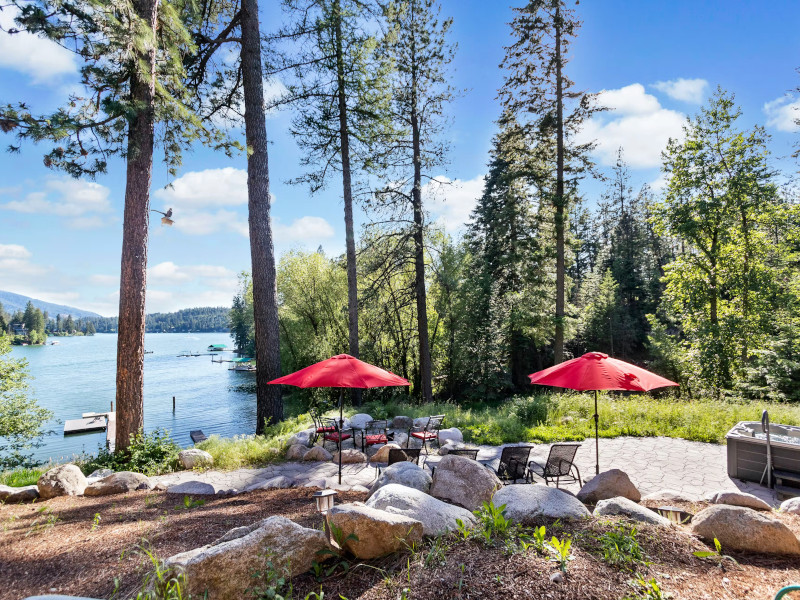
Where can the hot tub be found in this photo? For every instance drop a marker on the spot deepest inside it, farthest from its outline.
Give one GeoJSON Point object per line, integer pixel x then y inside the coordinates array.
{"type": "Point", "coordinates": [747, 450]}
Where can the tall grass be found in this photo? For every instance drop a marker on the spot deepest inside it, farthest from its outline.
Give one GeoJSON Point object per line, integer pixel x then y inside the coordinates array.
{"type": "Point", "coordinates": [21, 477]}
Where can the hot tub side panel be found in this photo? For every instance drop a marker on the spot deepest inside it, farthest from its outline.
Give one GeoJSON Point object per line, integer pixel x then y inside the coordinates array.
{"type": "Point", "coordinates": [748, 459]}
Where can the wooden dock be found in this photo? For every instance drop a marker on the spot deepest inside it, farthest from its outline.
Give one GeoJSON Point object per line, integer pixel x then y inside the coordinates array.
{"type": "Point", "coordinates": [91, 422]}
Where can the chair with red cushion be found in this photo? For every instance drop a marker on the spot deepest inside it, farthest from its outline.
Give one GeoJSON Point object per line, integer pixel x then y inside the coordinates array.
{"type": "Point", "coordinates": [375, 433]}
{"type": "Point", "coordinates": [320, 426]}
{"type": "Point", "coordinates": [334, 434]}
{"type": "Point", "coordinates": [427, 433]}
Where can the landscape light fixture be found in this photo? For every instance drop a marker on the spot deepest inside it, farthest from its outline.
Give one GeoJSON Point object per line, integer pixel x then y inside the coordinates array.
{"type": "Point", "coordinates": [324, 499]}
{"type": "Point", "coordinates": [165, 220]}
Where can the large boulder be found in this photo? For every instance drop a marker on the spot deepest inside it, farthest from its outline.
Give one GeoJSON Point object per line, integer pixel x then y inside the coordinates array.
{"type": "Point", "coordinates": [280, 482]}
{"type": "Point", "coordinates": [99, 474]}
{"type": "Point", "coordinates": [465, 482]}
{"type": "Point", "coordinates": [791, 506]}
{"type": "Point", "coordinates": [437, 517]}
{"type": "Point", "coordinates": [225, 568]}
{"type": "Point", "coordinates": [63, 480]}
{"type": "Point", "coordinates": [317, 453]}
{"type": "Point", "coordinates": [525, 503]}
{"type": "Point", "coordinates": [403, 473]}
{"type": "Point", "coordinates": [445, 449]}
{"type": "Point", "coordinates": [628, 508]}
{"type": "Point", "coordinates": [608, 484]}
{"type": "Point", "coordinates": [194, 458]}
{"type": "Point", "coordinates": [303, 438]}
{"type": "Point", "coordinates": [401, 422]}
{"type": "Point", "coordinates": [741, 528]}
{"type": "Point", "coordinates": [738, 499]}
{"type": "Point", "coordinates": [359, 420]}
{"type": "Point", "coordinates": [401, 438]}
{"type": "Point", "coordinates": [296, 452]}
{"type": "Point", "coordinates": [670, 496]}
{"type": "Point", "coordinates": [377, 532]}
{"type": "Point", "coordinates": [453, 434]}
{"type": "Point", "coordinates": [192, 488]}
{"type": "Point", "coordinates": [350, 456]}
{"type": "Point", "coordinates": [421, 421]}
{"type": "Point", "coordinates": [382, 455]}
{"type": "Point", "coordinates": [12, 495]}
{"type": "Point", "coordinates": [118, 483]}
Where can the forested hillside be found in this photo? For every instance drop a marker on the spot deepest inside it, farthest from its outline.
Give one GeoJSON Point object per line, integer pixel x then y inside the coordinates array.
{"type": "Point", "coordinates": [206, 319]}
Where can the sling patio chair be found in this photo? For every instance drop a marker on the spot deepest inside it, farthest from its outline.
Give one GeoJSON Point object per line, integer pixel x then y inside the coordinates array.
{"type": "Point", "coordinates": [470, 453]}
{"type": "Point", "coordinates": [559, 466]}
{"type": "Point", "coordinates": [333, 434]}
{"type": "Point", "coordinates": [375, 432]}
{"type": "Point", "coordinates": [320, 426]}
{"type": "Point", "coordinates": [430, 431]}
{"type": "Point", "coordinates": [512, 464]}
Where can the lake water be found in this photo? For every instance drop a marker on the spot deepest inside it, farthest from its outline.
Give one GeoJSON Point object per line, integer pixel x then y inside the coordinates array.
{"type": "Point", "coordinates": [79, 374]}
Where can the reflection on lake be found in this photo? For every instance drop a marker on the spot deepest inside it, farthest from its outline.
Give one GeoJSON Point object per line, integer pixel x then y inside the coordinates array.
{"type": "Point", "coordinates": [78, 375]}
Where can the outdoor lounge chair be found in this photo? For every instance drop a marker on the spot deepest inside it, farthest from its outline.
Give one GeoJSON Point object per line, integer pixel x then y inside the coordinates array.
{"type": "Point", "coordinates": [375, 432]}
{"type": "Point", "coordinates": [333, 434]}
{"type": "Point", "coordinates": [559, 466]}
{"type": "Point", "coordinates": [512, 464]}
{"type": "Point", "coordinates": [427, 433]}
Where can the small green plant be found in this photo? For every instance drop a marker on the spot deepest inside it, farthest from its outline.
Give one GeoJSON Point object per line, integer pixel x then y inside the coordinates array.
{"type": "Point", "coordinates": [160, 582]}
{"type": "Point", "coordinates": [272, 583]}
{"type": "Point", "coordinates": [190, 503]}
{"type": "Point", "coordinates": [463, 530]}
{"type": "Point", "coordinates": [716, 555]}
{"type": "Point", "coordinates": [539, 539]}
{"type": "Point", "coordinates": [647, 589]}
{"type": "Point", "coordinates": [47, 520]}
{"type": "Point", "coordinates": [436, 555]}
{"type": "Point", "coordinates": [561, 550]}
{"type": "Point", "coordinates": [340, 562]}
{"type": "Point", "coordinates": [620, 547]}
{"type": "Point", "coordinates": [95, 521]}
{"type": "Point", "coordinates": [492, 522]}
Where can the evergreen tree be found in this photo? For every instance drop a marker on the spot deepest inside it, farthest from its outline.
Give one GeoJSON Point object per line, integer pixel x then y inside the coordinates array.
{"type": "Point", "coordinates": [538, 92]}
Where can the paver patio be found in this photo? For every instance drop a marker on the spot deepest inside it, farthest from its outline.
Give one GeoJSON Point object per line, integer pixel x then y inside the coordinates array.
{"type": "Point", "coordinates": [653, 464]}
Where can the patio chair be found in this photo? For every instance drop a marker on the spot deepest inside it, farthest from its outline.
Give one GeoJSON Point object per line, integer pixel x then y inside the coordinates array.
{"type": "Point", "coordinates": [320, 426]}
{"type": "Point", "coordinates": [375, 432]}
{"type": "Point", "coordinates": [471, 453]}
{"type": "Point", "coordinates": [333, 434]}
{"type": "Point", "coordinates": [397, 455]}
{"type": "Point", "coordinates": [429, 432]}
{"type": "Point", "coordinates": [559, 466]}
{"type": "Point", "coordinates": [512, 464]}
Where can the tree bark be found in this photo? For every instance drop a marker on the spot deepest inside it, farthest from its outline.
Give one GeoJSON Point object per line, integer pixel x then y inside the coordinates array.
{"type": "Point", "coordinates": [269, 403]}
{"type": "Point", "coordinates": [560, 216]}
{"type": "Point", "coordinates": [419, 251]}
{"type": "Point", "coordinates": [133, 270]}
{"type": "Point", "coordinates": [347, 193]}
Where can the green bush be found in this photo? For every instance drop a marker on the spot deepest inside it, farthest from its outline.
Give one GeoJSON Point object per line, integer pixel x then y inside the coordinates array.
{"type": "Point", "coordinates": [149, 453]}
{"type": "Point", "coordinates": [21, 477]}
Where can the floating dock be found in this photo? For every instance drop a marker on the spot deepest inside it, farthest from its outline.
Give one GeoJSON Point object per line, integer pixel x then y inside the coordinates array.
{"type": "Point", "coordinates": [93, 422]}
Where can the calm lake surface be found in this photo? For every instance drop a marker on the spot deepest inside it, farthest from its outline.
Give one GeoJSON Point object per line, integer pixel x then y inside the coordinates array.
{"type": "Point", "coordinates": [78, 375]}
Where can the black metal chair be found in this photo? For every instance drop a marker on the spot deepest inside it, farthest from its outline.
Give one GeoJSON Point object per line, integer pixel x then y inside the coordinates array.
{"type": "Point", "coordinates": [512, 464]}
{"type": "Point", "coordinates": [471, 453]}
{"type": "Point", "coordinates": [427, 433]}
{"type": "Point", "coordinates": [320, 426]}
{"type": "Point", "coordinates": [374, 433]}
{"type": "Point", "coordinates": [404, 455]}
{"type": "Point", "coordinates": [559, 465]}
{"type": "Point", "coordinates": [332, 433]}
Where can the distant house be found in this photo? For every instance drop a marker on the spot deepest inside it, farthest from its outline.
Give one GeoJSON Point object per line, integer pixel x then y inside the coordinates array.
{"type": "Point", "coordinates": [19, 329]}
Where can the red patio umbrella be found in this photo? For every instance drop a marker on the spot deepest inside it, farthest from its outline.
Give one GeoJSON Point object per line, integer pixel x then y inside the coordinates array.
{"type": "Point", "coordinates": [597, 371]}
{"type": "Point", "coordinates": [341, 371]}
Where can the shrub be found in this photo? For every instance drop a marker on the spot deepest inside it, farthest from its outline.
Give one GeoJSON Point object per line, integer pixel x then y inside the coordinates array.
{"type": "Point", "coordinates": [149, 453]}
{"type": "Point", "coordinates": [21, 477]}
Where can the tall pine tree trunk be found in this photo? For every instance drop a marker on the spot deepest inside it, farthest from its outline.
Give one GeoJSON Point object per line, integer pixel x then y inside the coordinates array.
{"type": "Point", "coordinates": [419, 262]}
{"type": "Point", "coordinates": [560, 202]}
{"type": "Point", "coordinates": [133, 272]}
{"type": "Point", "coordinates": [347, 192]}
{"type": "Point", "coordinates": [269, 404]}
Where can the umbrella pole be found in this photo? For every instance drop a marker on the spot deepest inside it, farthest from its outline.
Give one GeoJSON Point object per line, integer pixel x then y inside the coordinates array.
{"type": "Point", "coordinates": [596, 438]}
{"type": "Point", "coordinates": [341, 425]}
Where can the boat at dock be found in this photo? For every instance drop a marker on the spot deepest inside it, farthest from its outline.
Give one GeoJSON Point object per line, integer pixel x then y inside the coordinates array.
{"type": "Point", "coordinates": [217, 348]}
{"type": "Point", "coordinates": [245, 364]}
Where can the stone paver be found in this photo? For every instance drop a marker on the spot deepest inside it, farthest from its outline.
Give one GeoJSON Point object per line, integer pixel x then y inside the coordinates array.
{"type": "Point", "coordinates": [653, 464]}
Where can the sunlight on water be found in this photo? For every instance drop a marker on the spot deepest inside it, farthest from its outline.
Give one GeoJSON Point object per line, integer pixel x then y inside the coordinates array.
{"type": "Point", "coordinates": [78, 375]}
{"type": "Point", "coordinates": [786, 439]}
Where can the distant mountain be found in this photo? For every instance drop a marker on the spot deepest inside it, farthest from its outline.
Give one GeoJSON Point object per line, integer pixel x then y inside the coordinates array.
{"type": "Point", "coordinates": [13, 302]}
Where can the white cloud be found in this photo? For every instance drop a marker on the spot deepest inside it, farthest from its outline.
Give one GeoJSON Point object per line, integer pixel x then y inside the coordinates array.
{"type": "Point", "coordinates": [211, 187]}
{"type": "Point", "coordinates": [169, 272]}
{"type": "Point", "coordinates": [452, 201]}
{"type": "Point", "coordinates": [13, 252]}
{"type": "Point", "coordinates": [171, 287]}
{"type": "Point", "coordinates": [18, 271]}
{"type": "Point", "coordinates": [31, 55]}
{"type": "Point", "coordinates": [104, 280]}
{"type": "Point", "coordinates": [81, 202]}
{"type": "Point", "coordinates": [305, 229]}
{"type": "Point", "coordinates": [636, 122]}
{"type": "Point", "coordinates": [783, 113]}
{"type": "Point", "coordinates": [685, 90]}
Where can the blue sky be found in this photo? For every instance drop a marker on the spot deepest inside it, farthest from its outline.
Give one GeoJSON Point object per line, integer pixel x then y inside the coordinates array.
{"type": "Point", "coordinates": [655, 63]}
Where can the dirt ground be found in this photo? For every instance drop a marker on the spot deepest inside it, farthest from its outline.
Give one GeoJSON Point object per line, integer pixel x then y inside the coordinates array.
{"type": "Point", "coordinates": [79, 546]}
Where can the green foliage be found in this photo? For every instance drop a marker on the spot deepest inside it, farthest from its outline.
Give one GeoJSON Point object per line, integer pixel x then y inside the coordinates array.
{"type": "Point", "coordinates": [272, 582]}
{"type": "Point", "coordinates": [95, 521]}
{"type": "Point", "coordinates": [22, 420]}
{"type": "Point", "coordinates": [620, 547]}
{"type": "Point", "coordinates": [189, 503]}
{"type": "Point", "coordinates": [647, 589]}
{"type": "Point", "coordinates": [205, 319]}
{"type": "Point", "coordinates": [160, 582]}
{"type": "Point", "coordinates": [715, 555]}
{"type": "Point", "coordinates": [21, 477]}
{"type": "Point", "coordinates": [561, 549]}
{"type": "Point", "coordinates": [150, 453]}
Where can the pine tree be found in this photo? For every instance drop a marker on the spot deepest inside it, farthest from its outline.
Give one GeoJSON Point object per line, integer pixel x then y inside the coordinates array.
{"type": "Point", "coordinates": [538, 92]}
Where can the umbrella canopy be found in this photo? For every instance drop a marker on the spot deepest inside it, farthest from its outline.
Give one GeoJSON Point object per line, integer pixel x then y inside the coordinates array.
{"type": "Point", "coordinates": [598, 371]}
{"type": "Point", "coordinates": [341, 371]}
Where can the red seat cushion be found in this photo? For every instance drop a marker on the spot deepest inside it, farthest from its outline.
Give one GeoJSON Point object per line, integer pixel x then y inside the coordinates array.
{"type": "Point", "coordinates": [423, 435]}
{"type": "Point", "coordinates": [326, 429]}
{"type": "Point", "coordinates": [334, 437]}
{"type": "Point", "coordinates": [377, 438]}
